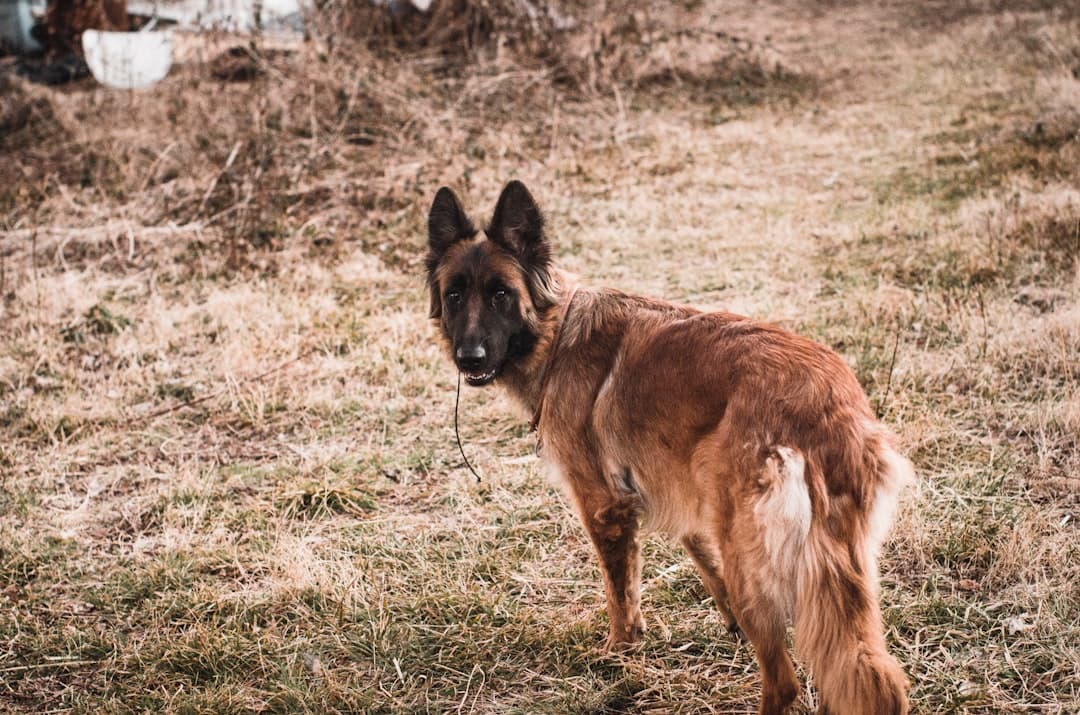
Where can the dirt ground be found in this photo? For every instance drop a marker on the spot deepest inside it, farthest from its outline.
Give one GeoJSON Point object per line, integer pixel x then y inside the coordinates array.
{"type": "Point", "coordinates": [228, 475]}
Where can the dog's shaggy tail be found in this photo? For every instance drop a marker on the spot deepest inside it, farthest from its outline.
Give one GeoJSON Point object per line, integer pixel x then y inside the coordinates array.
{"type": "Point", "coordinates": [838, 629]}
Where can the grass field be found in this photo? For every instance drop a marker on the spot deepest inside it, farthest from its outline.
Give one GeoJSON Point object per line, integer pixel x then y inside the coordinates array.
{"type": "Point", "coordinates": [228, 475]}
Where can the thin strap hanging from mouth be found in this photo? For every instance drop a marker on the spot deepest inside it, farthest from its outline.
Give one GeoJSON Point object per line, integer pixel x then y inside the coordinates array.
{"type": "Point", "coordinates": [551, 358]}
{"type": "Point", "coordinates": [457, 400]}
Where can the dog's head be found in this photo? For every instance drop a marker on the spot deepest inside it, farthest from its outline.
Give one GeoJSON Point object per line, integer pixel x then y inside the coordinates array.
{"type": "Point", "coordinates": [489, 290]}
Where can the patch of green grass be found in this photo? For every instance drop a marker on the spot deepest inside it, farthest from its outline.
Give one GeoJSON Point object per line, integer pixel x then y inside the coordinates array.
{"type": "Point", "coordinates": [314, 500]}
{"type": "Point", "coordinates": [133, 584]}
{"type": "Point", "coordinates": [15, 501]}
{"type": "Point", "coordinates": [98, 320]}
{"type": "Point", "coordinates": [26, 560]}
{"type": "Point", "coordinates": [974, 160]}
{"type": "Point", "coordinates": [968, 548]}
{"type": "Point", "coordinates": [175, 391]}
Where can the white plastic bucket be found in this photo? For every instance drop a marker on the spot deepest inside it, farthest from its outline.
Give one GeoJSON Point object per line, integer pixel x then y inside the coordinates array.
{"type": "Point", "coordinates": [128, 60]}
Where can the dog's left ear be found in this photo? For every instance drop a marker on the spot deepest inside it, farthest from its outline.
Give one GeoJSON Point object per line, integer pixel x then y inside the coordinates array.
{"type": "Point", "coordinates": [518, 226]}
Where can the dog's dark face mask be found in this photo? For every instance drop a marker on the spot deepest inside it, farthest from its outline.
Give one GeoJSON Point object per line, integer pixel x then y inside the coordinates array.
{"type": "Point", "coordinates": [487, 291]}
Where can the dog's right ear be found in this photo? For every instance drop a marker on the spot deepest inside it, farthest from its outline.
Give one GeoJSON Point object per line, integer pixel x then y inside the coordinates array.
{"type": "Point", "coordinates": [447, 224]}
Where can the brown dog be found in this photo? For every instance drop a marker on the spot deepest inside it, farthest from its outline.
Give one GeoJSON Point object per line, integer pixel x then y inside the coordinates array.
{"type": "Point", "coordinates": [755, 447]}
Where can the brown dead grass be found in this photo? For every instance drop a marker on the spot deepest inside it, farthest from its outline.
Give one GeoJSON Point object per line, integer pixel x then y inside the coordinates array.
{"type": "Point", "coordinates": [227, 468]}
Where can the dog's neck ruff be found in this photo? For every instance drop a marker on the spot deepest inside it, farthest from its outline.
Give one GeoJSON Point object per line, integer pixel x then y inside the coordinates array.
{"type": "Point", "coordinates": [551, 358]}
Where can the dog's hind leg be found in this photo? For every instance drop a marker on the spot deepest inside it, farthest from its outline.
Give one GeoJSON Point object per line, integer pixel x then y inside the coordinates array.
{"type": "Point", "coordinates": [759, 546]}
{"type": "Point", "coordinates": [706, 558]}
{"type": "Point", "coordinates": [612, 523]}
{"type": "Point", "coordinates": [763, 621]}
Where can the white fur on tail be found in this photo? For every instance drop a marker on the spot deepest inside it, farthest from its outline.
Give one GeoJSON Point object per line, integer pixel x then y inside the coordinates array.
{"type": "Point", "coordinates": [898, 474]}
{"type": "Point", "coordinates": [784, 515]}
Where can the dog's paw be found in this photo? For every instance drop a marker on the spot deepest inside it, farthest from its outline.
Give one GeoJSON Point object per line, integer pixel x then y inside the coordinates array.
{"type": "Point", "coordinates": [619, 645]}
{"type": "Point", "coordinates": [624, 638]}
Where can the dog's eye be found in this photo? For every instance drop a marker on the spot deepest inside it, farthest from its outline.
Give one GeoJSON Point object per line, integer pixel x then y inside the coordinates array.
{"type": "Point", "coordinates": [453, 297]}
{"type": "Point", "coordinates": [499, 297]}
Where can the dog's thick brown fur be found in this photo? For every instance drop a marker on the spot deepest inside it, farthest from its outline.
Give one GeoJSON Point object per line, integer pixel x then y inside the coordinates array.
{"type": "Point", "coordinates": [755, 447]}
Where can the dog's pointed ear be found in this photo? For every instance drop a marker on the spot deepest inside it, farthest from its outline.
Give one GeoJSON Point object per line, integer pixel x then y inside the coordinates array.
{"type": "Point", "coordinates": [447, 224]}
{"type": "Point", "coordinates": [518, 226]}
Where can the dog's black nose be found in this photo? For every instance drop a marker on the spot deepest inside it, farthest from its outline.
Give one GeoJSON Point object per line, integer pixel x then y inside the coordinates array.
{"type": "Point", "coordinates": [471, 358]}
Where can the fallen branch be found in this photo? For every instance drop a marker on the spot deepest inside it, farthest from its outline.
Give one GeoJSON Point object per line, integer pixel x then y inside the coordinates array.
{"type": "Point", "coordinates": [43, 666]}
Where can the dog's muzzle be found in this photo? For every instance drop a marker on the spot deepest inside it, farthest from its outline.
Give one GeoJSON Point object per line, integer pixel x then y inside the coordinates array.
{"type": "Point", "coordinates": [470, 360]}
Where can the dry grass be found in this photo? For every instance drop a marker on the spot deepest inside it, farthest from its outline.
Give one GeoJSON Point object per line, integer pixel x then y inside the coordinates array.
{"type": "Point", "coordinates": [227, 469]}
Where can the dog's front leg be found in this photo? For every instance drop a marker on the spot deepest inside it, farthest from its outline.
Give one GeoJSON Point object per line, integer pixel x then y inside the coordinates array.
{"type": "Point", "coordinates": [612, 522]}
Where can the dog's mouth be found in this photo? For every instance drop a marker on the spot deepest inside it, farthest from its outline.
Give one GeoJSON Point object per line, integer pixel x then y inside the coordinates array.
{"type": "Point", "coordinates": [477, 379]}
